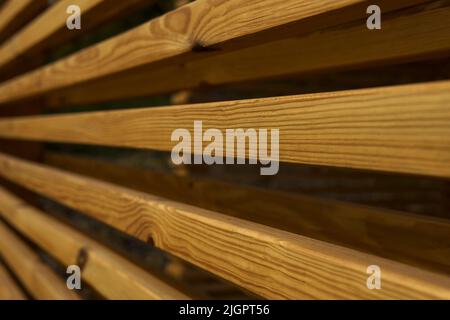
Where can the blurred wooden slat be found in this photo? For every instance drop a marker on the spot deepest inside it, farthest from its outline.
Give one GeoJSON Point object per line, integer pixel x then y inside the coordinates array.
{"type": "Point", "coordinates": [400, 236]}
{"type": "Point", "coordinates": [191, 31]}
{"type": "Point", "coordinates": [41, 281]}
{"type": "Point", "coordinates": [396, 129]}
{"type": "Point", "coordinates": [9, 290]}
{"type": "Point", "coordinates": [15, 13]}
{"type": "Point", "coordinates": [266, 261]}
{"type": "Point", "coordinates": [407, 35]}
{"type": "Point", "coordinates": [111, 275]}
{"type": "Point", "coordinates": [49, 29]}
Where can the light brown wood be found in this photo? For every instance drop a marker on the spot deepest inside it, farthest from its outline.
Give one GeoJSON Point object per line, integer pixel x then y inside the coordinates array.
{"type": "Point", "coordinates": [9, 290]}
{"type": "Point", "coordinates": [16, 13]}
{"type": "Point", "coordinates": [49, 29]}
{"type": "Point", "coordinates": [37, 277]}
{"type": "Point", "coordinates": [193, 28]}
{"type": "Point", "coordinates": [269, 262]}
{"type": "Point", "coordinates": [398, 129]}
{"type": "Point", "coordinates": [408, 35]}
{"type": "Point", "coordinates": [413, 239]}
{"type": "Point", "coordinates": [110, 274]}
{"type": "Point", "coordinates": [11, 9]}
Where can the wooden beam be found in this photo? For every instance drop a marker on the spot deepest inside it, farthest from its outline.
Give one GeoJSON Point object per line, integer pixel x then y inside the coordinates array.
{"type": "Point", "coordinates": [9, 290]}
{"type": "Point", "coordinates": [16, 13]}
{"type": "Point", "coordinates": [192, 29]}
{"type": "Point", "coordinates": [397, 129]}
{"type": "Point", "coordinates": [41, 281]}
{"type": "Point", "coordinates": [49, 29]}
{"type": "Point", "coordinates": [269, 262]}
{"type": "Point", "coordinates": [110, 274]}
{"type": "Point", "coordinates": [407, 35]}
{"type": "Point", "coordinates": [412, 239]}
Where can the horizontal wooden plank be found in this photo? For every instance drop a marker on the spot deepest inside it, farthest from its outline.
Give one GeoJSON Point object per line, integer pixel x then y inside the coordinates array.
{"type": "Point", "coordinates": [16, 13]}
{"type": "Point", "coordinates": [413, 239]}
{"type": "Point", "coordinates": [266, 261]}
{"type": "Point", "coordinates": [41, 281]}
{"type": "Point", "coordinates": [191, 29]}
{"type": "Point", "coordinates": [111, 275]}
{"type": "Point", "coordinates": [49, 29]}
{"type": "Point", "coordinates": [9, 290]}
{"type": "Point", "coordinates": [407, 35]}
{"type": "Point", "coordinates": [398, 129]}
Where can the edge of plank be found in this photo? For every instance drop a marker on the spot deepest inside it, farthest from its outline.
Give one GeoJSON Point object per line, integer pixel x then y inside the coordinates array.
{"type": "Point", "coordinates": [269, 262]}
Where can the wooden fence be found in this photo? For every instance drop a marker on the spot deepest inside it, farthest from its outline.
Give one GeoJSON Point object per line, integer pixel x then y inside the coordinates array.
{"type": "Point", "coordinates": [252, 241]}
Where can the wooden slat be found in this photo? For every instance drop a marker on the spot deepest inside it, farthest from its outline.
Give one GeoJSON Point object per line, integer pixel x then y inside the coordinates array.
{"type": "Point", "coordinates": [192, 29]}
{"type": "Point", "coordinates": [15, 13]}
{"type": "Point", "coordinates": [113, 276]}
{"type": "Point", "coordinates": [418, 240]}
{"type": "Point", "coordinates": [9, 290]}
{"type": "Point", "coordinates": [266, 261]}
{"type": "Point", "coordinates": [408, 35]}
{"type": "Point", "coordinates": [398, 129]}
{"type": "Point", "coordinates": [49, 29]}
{"type": "Point", "coordinates": [37, 277]}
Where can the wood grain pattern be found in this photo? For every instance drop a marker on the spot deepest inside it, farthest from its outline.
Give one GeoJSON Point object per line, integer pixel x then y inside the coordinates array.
{"type": "Point", "coordinates": [190, 29]}
{"type": "Point", "coordinates": [269, 262]}
{"type": "Point", "coordinates": [37, 277]}
{"type": "Point", "coordinates": [49, 29]}
{"type": "Point", "coordinates": [398, 129]}
{"type": "Point", "coordinates": [413, 239]}
{"type": "Point", "coordinates": [113, 276]}
{"type": "Point", "coordinates": [9, 290]}
{"type": "Point", "coordinates": [15, 13]}
{"type": "Point", "coordinates": [408, 35]}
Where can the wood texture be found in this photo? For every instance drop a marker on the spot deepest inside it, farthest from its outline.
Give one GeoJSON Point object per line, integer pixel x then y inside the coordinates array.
{"type": "Point", "coordinates": [9, 290]}
{"type": "Point", "coordinates": [398, 129]}
{"type": "Point", "coordinates": [36, 277]}
{"type": "Point", "coordinates": [269, 262]}
{"type": "Point", "coordinates": [193, 28]}
{"type": "Point", "coordinates": [408, 35]}
{"type": "Point", "coordinates": [413, 239]}
{"type": "Point", "coordinates": [49, 29]}
{"type": "Point", "coordinates": [111, 275]}
{"type": "Point", "coordinates": [16, 13]}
